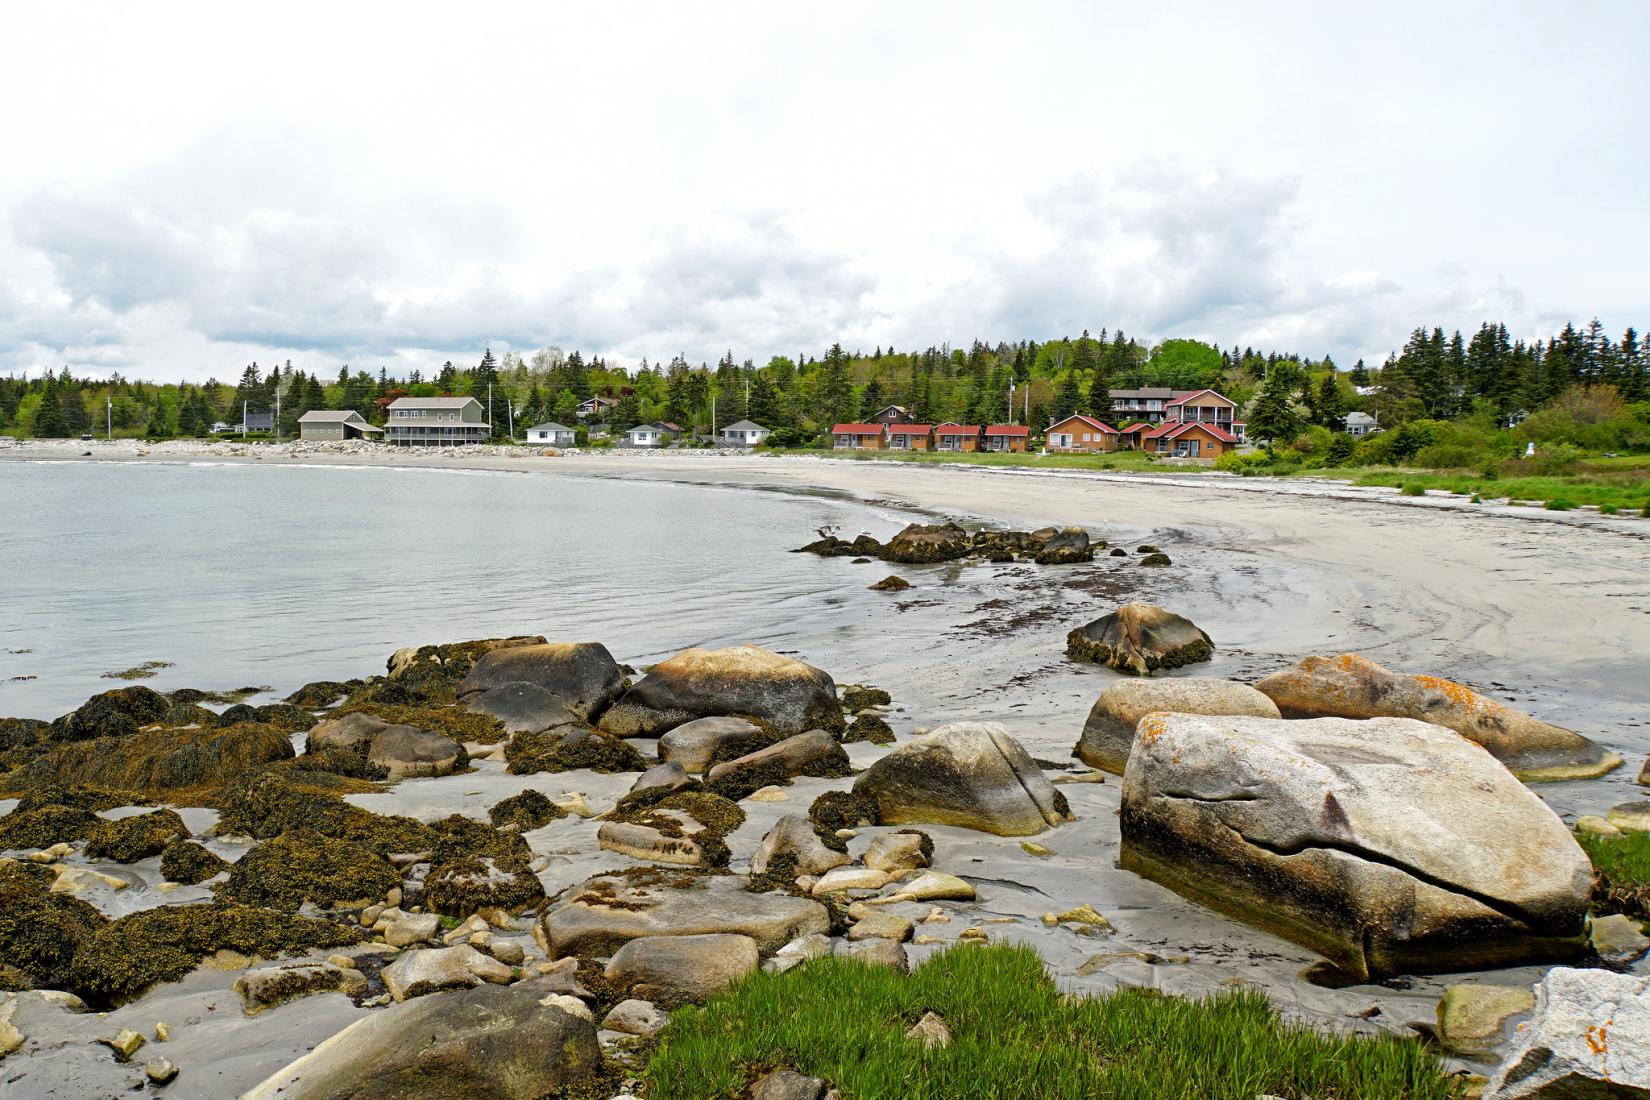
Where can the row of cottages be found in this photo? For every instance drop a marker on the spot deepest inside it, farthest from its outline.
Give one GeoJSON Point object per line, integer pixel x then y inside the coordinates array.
{"type": "Point", "coordinates": [883, 435]}
{"type": "Point", "coordinates": [1077, 434]}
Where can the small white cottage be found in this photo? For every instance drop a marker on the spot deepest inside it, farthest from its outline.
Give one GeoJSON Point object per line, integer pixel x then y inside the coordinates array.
{"type": "Point", "coordinates": [551, 435]}
{"type": "Point", "coordinates": [653, 435]}
{"type": "Point", "coordinates": [745, 433]}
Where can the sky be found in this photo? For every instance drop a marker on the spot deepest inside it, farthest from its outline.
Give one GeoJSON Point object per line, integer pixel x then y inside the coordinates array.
{"type": "Point", "coordinates": [186, 188]}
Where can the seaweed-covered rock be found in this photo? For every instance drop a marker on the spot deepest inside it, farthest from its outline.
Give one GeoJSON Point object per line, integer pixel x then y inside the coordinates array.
{"type": "Point", "coordinates": [80, 796]}
{"type": "Point", "coordinates": [607, 911]}
{"type": "Point", "coordinates": [268, 803]}
{"type": "Point", "coordinates": [137, 837]}
{"type": "Point", "coordinates": [686, 828]}
{"type": "Point", "coordinates": [122, 958]}
{"type": "Point", "coordinates": [462, 886]}
{"type": "Point", "coordinates": [671, 776]}
{"type": "Point", "coordinates": [181, 715]}
{"type": "Point", "coordinates": [1108, 735]}
{"type": "Point", "coordinates": [161, 760]}
{"type": "Point", "coordinates": [406, 752]}
{"type": "Point", "coordinates": [432, 970]}
{"type": "Point", "coordinates": [321, 693]}
{"type": "Point", "coordinates": [299, 866]}
{"type": "Point", "coordinates": [113, 713]}
{"type": "Point", "coordinates": [793, 839]}
{"type": "Point", "coordinates": [446, 664]}
{"type": "Point", "coordinates": [814, 753]}
{"type": "Point", "coordinates": [268, 986]}
{"type": "Point", "coordinates": [458, 836]}
{"type": "Point", "coordinates": [834, 811]}
{"type": "Point", "coordinates": [570, 748]}
{"type": "Point", "coordinates": [1140, 638]}
{"type": "Point", "coordinates": [583, 675]}
{"type": "Point", "coordinates": [1350, 686]}
{"type": "Point", "coordinates": [40, 931]}
{"type": "Point", "coordinates": [1388, 845]}
{"type": "Point", "coordinates": [921, 543]}
{"type": "Point", "coordinates": [968, 774]}
{"type": "Point", "coordinates": [521, 707]}
{"type": "Point", "coordinates": [891, 583]}
{"type": "Point", "coordinates": [189, 864]}
{"type": "Point", "coordinates": [869, 727]}
{"type": "Point", "coordinates": [43, 827]}
{"type": "Point", "coordinates": [20, 733]}
{"type": "Point", "coordinates": [1068, 546]}
{"type": "Point", "coordinates": [527, 811]}
{"type": "Point", "coordinates": [353, 730]}
{"type": "Point", "coordinates": [1156, 560]}
{"type": "Point", "coordinates": [284, 716]}
{"type": "Point", "coordinates": [856, 697]}
{"type": "Point", "coordinates": [475, 1041]}
{"type": "Point", "coordinates": [784, 694]}
{"type": "Point", "coordinates": [696, 745]}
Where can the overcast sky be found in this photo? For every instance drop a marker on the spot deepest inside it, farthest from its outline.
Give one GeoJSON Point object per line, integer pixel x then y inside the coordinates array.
{"type": "Point", "coordinates": [186, 189]}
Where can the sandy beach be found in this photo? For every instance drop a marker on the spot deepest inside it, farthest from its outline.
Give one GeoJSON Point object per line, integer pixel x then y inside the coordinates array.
{"type": "Point", "coordinates": [1549, 612]}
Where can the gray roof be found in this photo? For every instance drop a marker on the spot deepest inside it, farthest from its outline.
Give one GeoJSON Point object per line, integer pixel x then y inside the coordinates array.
{"type": "Point", "coordinates": [431, 402]}
{"type": "Point", "coordinates": [315, 416]}
{"type": "Point", "coordinates": [744, 426]}
{"type": "Point", "coordinates": [550, 428]}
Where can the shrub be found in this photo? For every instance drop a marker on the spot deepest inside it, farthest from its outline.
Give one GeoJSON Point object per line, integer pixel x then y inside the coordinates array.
{"type": "Point", "coordinates": [1415, 489]}
{"type": "Point", "coordinates": [1341, 449]}
{"type": "Point", "coordinates": [1559, 504]}
{"type": "Point", "coordinates": [1608, 509]}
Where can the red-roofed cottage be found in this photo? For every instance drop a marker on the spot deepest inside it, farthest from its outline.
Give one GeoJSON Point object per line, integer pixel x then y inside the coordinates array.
{"type": "Point", "coordinates": [909, 437]}
{"type": "Point", "coordinates": [1081, 433]}
{"type": "Point", "coordinates": [957, 437]}
{"type": "Point", "coordinates": [859, 437]}
{"type": "Point", "coordinates": [1189, 439]}
{"type": "Point", "coordinates": [1006, 437]}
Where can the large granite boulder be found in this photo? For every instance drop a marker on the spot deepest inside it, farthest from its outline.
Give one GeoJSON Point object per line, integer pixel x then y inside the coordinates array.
{"type": "Point", "coordinates": [1388, 845]}
{"type": "Point", "coordinates": [353, 731]}
{"type": "Point", "coordinates": [748, 681]}
{"type": "Point", "coordinates": [793, 844]}
{"type": "Point", "coordinates": [522, 707]}
{"type": "Point", "coordinates": [1108, 735]}
{"type": "Point", "coordinates": [672, 970]}
{"type": "Point", "coordinates": [1068, 546]}
{"type": "Point", "coordinates": [583, 675]}
{"type": "Point", "coordinates": [1140, 638]}
{"type": "Point", "coordinates": [402, 751]}
{"type": "Point", "coordinates": [920, 543]}
{"type": "Point", "coordinates": [694, 744]}
{"type": "Point", "coordinates": [484, 1044]}
{"type": "Point", "coordinates": [431, 970]}
{"type": "Point", "coordinates": [607, 911]}
{"type": "Point", "coordinates": [1588, 1040]}
{"type": "Point", "coordinates": [1350, 686]}
{"type": "Point", "coordinates": [969, 774]}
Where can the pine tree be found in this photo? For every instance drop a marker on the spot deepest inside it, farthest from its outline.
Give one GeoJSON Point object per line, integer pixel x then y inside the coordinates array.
{"type": "Point", "coordinates": [1273, 419]}
{"type": "Point", "coordinates": [1360, 374]}
{"type": "Point", "coordinates": [871, 400]}
{"type": "Point", "coordinates": [48, 415]}
{"type": "Point", "coordinates": [1329, 406]}
{"type": "Point", "coordinates": [1068, 399]}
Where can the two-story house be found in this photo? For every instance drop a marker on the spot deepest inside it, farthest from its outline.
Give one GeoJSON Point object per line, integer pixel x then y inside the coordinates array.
{"type": "Point", "coordinates": [594, 406]}
{"type": "Point", "coordinates": [436, 422]}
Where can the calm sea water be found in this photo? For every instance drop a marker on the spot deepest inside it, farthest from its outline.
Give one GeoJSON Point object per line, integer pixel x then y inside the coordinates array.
{"type": "Point", "coordinates": [240, 574]}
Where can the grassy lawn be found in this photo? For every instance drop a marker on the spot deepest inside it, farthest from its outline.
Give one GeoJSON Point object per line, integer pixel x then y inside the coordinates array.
{"type": "Point", "coordinates": [1621, 483]}
{"type": "Point", "coordinates": [1623, 866]}
{"type": "Point", "coordinates": [1014, 1037]}
{"type": "Point", "coordinates": [1115, 460]}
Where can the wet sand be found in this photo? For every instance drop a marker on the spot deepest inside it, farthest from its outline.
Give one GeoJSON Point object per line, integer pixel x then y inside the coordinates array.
{"type": "Point", "coordinates": [1551, 612]}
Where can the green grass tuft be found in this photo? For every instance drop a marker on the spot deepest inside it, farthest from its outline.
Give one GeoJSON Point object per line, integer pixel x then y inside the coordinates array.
{"type": "Point", "coordinates": [1561, 504]}
{"type": "Point", "coordinates": [1016, 1037]}
{"type": "Point", "coordinates": [1621, 866]}
{"type": "Point", "coordinates": [1414, 489]}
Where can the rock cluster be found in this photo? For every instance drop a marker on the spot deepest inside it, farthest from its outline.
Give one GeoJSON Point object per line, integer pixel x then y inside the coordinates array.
{"type": "Point", "coordinates": [924, 544]}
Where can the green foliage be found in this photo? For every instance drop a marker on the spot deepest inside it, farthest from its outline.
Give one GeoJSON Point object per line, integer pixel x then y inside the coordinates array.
{"type": "Point", "coordinates": [1561, 504]}
{"type": "Point", "coordinates": [1415, 489]}
{"type": "Point", "coordinates": [1621, 868]}
{"type": "Point", "coordinates": [1015, 1036]}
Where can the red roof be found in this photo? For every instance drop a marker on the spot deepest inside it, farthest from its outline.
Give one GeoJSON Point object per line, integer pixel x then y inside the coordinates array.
{"type": "Point", "coordinates": [957, 429]}
{"type": "Point", "coordinates": [1170, 429]}
{"type": "Point", "coordinates": [1196, 393]}
{"type": "Point", "coordinates": [910, 429]}
{"type": "Point", "coordinates": [1089, 420]}
{"type": "Point", "coordinates": [668, 426]}
{"type": "Point", "coordinates": [1136, 426]}
{"type": "Point", "coordinates": [1007, 429]}
{"type": "Point", "coordinates": [857, 429]}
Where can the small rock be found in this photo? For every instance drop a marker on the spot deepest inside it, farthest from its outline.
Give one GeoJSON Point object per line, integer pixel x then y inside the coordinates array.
{"type": "Point", "coordinates": [887, 953]}
{"type": "Point", "coordinates": [419, 972]}
{"type": "Point", "coordinates": [930, 1031]}
{"type": "Point", "coordinates": [412, 929]}
{"type": "Point", "coordinates": [163, 1033]}
{"type": "Point", "coordinates": [508, 952]}
{"type": "Point", "coordinates": [1032, 848]}
{"type": "Point", "coordinates": [1589, 1036]}
{"type": "Point", "coordinates": [161, 1071]}
{"type": "Point", "coordinates": [75, 880]}
{"type": "Point", "coordinates": [275, 985]}
{"type": "Point", "coordinates": [891, 583]}
{"type": "Point", "coordinates": [1629, 817]}
{"type": "Point", "coordinates": [1471, 1016]}
{"type": "Point", "coordinates": [369, 915]}
{"type": "Point", "coordinates": [10, 1038]}
{"type": "Point", "coordinates": [793, 835]}
{"type": "Point", "coordinates": [901, 851]}
{"type": "Point", "coordinates": [124, 1043]}
{"type": "Point", "coordinates": [768, 794]}
{"type": "Point", "coordinates": [785, 1085]}
{"type": "Point", "coordinates": [570, 1005]}
{"type": "Point", "coordinates": [674, 969]}
{"type": "Point", "coordinates": [934, 886]}
{"type": "Point", "coordinates": [1099, 962]}
{"type": "Point", "coordinates": [937, 915]}
{"type": "Point", "coordinates": [881, 926]}
{"type": "Point", "coordinates": [850, 878]}
{"type": "Point", "coordinates": [1598, 826]}
{"type": "Point", "coordinates": [1617, 939]}
{"type": "Point", "coordinates": [974, 935]}
{"type": "Point", "coordinates": [1084, 915]}
{"type": "Point", "coordinates": [635, 1017]}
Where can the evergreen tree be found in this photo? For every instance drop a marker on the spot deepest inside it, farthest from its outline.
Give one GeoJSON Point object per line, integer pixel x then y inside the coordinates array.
{"type": "Point", "coordinates": [836, 389]}
{"type": "Point", "coordinates": [1360, 374]}
{"type": "Point", "coordinates": [1273, 419]}
{"type": "Point", "coordinates": [1329, 405]}
{"type": "Point", "coordinates": [871, 400]}
{"type": "Point", "coordinates": [48, 415]}
{"type": "Point", "coordinates": [76, 420]}
{"type": "Point", "coordinates": [766, 403]}
{"type": "Point", "coordinates": [447, 379]}
{"type": "Point", "coordinates": [1068, 398]}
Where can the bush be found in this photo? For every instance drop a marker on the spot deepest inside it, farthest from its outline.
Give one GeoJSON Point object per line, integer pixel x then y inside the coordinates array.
{"type": "Point", "coordinates": [1608, 509]}
{"type": "Point", "coordinates": [1415, 489]}
{"type": "Point", "coordinates": [1559, 504]}
{"type": "Point", "coordinates": [1341, 449]}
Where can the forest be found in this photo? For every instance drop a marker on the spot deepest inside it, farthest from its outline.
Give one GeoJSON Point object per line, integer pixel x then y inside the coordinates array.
{"type": "Point", "coordinates": [1581, 387]}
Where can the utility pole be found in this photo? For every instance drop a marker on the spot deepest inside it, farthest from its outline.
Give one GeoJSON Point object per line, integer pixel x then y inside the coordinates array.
{"type": "Point", "coordinates": [490, 428]}
{"type": "Point", "coordinates": [277, 424]}
{"type": "Point", "coordinates": [510, 407]}
{"type": "Point", "coordinates": [713, 416]}
{"type": "Point", "coordinates": [1011, 404]}
{"type": "Point", "coordinates": [243, 419]}
{"type": "Point", "coordinates": [110, 412]}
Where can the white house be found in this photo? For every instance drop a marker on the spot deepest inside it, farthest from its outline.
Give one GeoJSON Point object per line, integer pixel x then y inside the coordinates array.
{"type": "Point", "coordinates": [551, 435]}
{"type": "Point", "coordinates": [745, 433]}
{"type": "Point", "coordinates": [1359, 423]}
{"type": "Point", "coordinates": [653, 435]}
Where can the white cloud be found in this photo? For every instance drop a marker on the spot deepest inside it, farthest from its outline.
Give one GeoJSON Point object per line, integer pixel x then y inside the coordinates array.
{"type": "Point", "coordinates": [648, 180]}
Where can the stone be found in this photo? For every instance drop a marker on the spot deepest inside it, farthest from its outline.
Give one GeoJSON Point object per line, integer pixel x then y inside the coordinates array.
{"type": "Point", "coordinates": [1630, 817]}
{"type": "Point", "coordinates": [881, 952]}
{"type": "Point", "coordinates": [583, 675]}
{"type": "Point", "coordinates": [353, 731]}
{"type": "Point", "coordinates": [1085, 916]}
{"type": "Point", "coordinates": [839, 879]}
{"type": "Point", "coordinates": [1108, 735]}
{"type": "Point", "coordinates": [412, 928]}
{"type": "Point", "coordinates": [415, 973]}
{"type": "Point", "coordinates": [607, 911]}
{"type": "Point", "coordinates": [670, 775]}
{"type": "Point", "coordinates": [1589, 1037]}
{"type": "Point", "coordinates": [10, 1037]}
{"type": "Point", "coordinates": [930, 1031]}
{"type": "Point", "coordinates": [522, 707]}
{"type": "Point", "coordinates": [645, 842]}
{"type": "Point", "coordinates": [934, 886]}
{"type": "Point", "coordinates": [1140, 638]}
{"type": "Point", "coordinates": [815, 945]}
{"type": "Point", "coordinates": [1032, 848]}
{"type": "Point", "coordinates": [787, 695]}
{"type": "Point", "coordinates": [1644, 773]}
{"type": "Point", "coordinates": [269, 986]}
{"type": "Point", "coordinates": [570, 1005]}
{"type": "Point", "coordinates": [160, 1071]}
{"type": "Point", "coordinates": [812, 753]}
{"type": "Point", "coordinates": [793, 836]}
{"type": "Point", "coordinates": [406, 752]}
{"type": "Point", "coordinates": [1617, 940]}
{"type": "Point", "coordinates": [124, 1043]}
{"type": "Point", "coordinates": [1471, 1016]}
{"type": "Point", "coordinates": [881, 926]}
{"type": "Point", "coordinates": [1388, 845]}
{"type": "Point", "coordinates": [681, 969]}
{"type": "Point", "coordinates": [1598, 826]}
{"type": "Point", "coordinates": [1068, 546]}
{"type": "Point", "coordinates": [77, 880]}
{"type": "Point", "coordinates": [508, 952]}
{"type": "Point", "coordinates": [891, 583]}
{"type": "Point", "coordinates": [768, 794]}
{"type": "Point", "coordinates": [163, 1031]}
{"type": "Point", "coordinates": [693, 744]}
{"type": "Point", "coordinates": [1350, 686]}
{"type": "Point", "coordinates": [634, 1016]}
{"type": "Point", "coordinates": [969, 774]}
{"type": "Point", "coordinates": [474, 1041]}
{"type": "Point", "coordinates": [905, 850]}
{"type": "Point", "coordinates": [785, 1084]}
{"type": "Point", "coordinates": [921, 543]}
